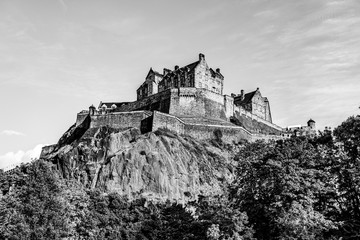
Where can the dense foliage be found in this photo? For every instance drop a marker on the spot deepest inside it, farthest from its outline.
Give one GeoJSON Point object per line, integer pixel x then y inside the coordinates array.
{"type": "Point", "coordinates": [293, 189]}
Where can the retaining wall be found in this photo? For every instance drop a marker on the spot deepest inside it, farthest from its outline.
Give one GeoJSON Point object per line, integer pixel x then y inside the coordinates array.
{"type": "Point", "coordinates": [199, 131]}
{"type": "Point", "coordinates": [162, 120]}
{"type": "Point", "coordinates": [243, 112]}
{"type": "Point", "coordinates": [119, 119]}
{"type": "Point", "coordinates": [159, 102]}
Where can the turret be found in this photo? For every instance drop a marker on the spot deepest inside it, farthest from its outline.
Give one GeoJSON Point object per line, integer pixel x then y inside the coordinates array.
{"type": "Point", "coordinates": [92, 110]}
{"type": "Point", "coordinates": [311, 123]}
{"type": "Point", "coordinates": [201, 57]}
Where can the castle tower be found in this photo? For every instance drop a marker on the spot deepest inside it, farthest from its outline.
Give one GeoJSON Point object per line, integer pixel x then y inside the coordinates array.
{"type": "Point", "coordinates": [311, 124]}
{"type": "Point", "coordinates": [92, 110]}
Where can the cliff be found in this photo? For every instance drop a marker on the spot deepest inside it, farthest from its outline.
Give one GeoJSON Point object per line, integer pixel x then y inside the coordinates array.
{"type": "Point", "coordinates": [158, 165]}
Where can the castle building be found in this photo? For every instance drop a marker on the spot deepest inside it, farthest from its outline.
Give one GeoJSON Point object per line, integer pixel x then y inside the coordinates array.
{"type": "Point", "coordinates": [150, 86]}
{"type": "Point", "coordinates": [190, 100]}
{"type": "Point", "coordinates": [194, 75]}
{"type": "Point", "coordinates": [254, 103]}
{"type": "Point", "coordinates": [308, 131]}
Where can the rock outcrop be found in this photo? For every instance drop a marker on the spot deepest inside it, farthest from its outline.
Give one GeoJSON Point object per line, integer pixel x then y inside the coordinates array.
{"type": "Point", "coordinates": [159, 166]}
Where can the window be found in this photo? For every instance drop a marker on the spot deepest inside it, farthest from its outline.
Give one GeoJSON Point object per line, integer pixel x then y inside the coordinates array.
{"type": "Point", "coordinates": [200, 85]}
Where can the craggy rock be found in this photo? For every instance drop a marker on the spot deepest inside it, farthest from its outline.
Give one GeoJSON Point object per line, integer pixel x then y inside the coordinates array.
{"type": "Point", "coordinates": [158, 166]}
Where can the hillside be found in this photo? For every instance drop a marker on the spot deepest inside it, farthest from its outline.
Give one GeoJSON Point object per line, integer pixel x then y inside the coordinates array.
{"type": "Point", "coordinates": [159, 166]}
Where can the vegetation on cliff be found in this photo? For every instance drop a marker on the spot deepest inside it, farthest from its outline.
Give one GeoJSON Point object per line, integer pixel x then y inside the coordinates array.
{"type": "Point", "coordinates": [293, 189]}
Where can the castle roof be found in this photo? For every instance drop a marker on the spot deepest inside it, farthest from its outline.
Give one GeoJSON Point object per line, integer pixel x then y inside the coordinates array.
{"type": "Point", "coordinates": [246, 100]}
{"type": "Point", "coordinates": [310, 121]}
{"type": "Point", "coordinates": [154, 72]}
{"type": "Point", "coordinates": [190, 66]}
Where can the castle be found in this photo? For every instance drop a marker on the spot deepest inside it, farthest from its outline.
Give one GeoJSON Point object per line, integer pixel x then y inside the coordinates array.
{"type": "Point", "coordinates": [190, 100]}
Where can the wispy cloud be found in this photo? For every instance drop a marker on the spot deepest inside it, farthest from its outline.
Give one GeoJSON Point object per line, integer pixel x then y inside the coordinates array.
{"type": "Point", "coordinates": [12, 133]}
{"type": "Point", "coordinates": [11, 159]}
{"type": "Point", "coordinates": [267, 13]}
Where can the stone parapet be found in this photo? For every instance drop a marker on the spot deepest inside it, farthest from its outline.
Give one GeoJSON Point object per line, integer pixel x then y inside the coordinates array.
{"type": "Point", "coordinates": [248, 114]}
{"type": "Point", "coordinates": [203, 130]}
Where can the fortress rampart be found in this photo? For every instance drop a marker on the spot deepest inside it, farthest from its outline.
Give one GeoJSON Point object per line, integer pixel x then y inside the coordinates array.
{"type": "Point", "coordinates": [199, 128]}
{"type": "Point", "coordinates": [167, 109]}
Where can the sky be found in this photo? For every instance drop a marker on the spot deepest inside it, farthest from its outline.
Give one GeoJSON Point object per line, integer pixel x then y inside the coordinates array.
{"type": "Point", "coordinates": [60, 56]}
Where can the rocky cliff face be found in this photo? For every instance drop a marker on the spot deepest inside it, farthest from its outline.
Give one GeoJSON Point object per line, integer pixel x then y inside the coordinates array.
{"type": "Point", "coordinates": [159, 166]}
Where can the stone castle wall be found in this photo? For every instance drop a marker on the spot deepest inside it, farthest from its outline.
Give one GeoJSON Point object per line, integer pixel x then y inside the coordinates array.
{"type": "Point", "coordinates": [116, 119]}
{"type": "Point", "coordinates": [158, 120]}
{"type": "Point", "coordinates": [239, 111]}
{"type": "Point", "coordinates": [163, 120]}
{"type": "Point", "coordinates": [81, 116]}
{"type": "Point", "coordinates": [196, 102]}
{"type": "Point", "coordinates": [169, 106]}
{"type": "Point", "coordinates": [199, 131]}
{"type": "Point", "coordinates": [119, 119]}
{"type": "Point", "coordinates": [179, 102]}
{"type": "Point", "coordinates": [182, 102]}
{"type": "Point", "coordinates": [228, 134]}
{"type": "Point", "coordinates": [158, 102]}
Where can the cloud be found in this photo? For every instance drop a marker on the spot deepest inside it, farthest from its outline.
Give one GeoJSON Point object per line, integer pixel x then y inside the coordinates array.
{"type": "Point", "coordinates": [11, 159]}
{"type": "Point", "coordinates": [267, 14]}
{"type": "Point", "coordinates": [12, 133]}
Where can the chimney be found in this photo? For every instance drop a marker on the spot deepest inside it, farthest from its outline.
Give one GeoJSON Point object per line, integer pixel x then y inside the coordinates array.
{"type": "Point", "coordinates": [176, 67]}
{"type": "Point", "coordinates": [166, 71]}
{"type": "Point", "coordinates": [242, 95]}
{"type": "Point", "coordinates": [218, 70]}
{"type": "Point", "coordinates": [201, 57]}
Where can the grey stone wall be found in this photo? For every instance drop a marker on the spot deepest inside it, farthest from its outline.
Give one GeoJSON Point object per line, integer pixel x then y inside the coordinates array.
{"type": "Point", "coordinates": [199, 131]}
{"type": "Point", "coordinates": [158, 102]}
{"type": "Point", "coordinates": [239, 111]}
{"type": "Point", "coordinates": [196, 102]}
{"type": "Point", "coordinates": [119, 119]}
{"type": "Point", "coordinates": [80, 117]}
{"type": "Point", "coordinates": [229, 134]}
{"type": "Point", "coordinates": [162, 120]}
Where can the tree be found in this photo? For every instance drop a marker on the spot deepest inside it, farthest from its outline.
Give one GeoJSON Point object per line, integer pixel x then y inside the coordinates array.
{"type": "Point", "coordinates": [277, 186]}
{"type": "Point", "coordinates": [347, 169]}
{"type": "Point", "coordinates": [34, 209]}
